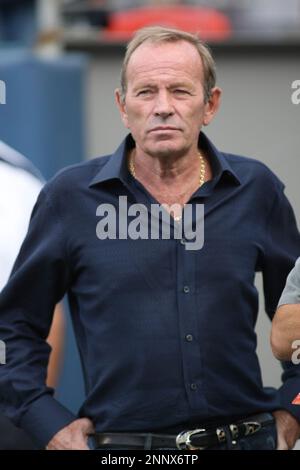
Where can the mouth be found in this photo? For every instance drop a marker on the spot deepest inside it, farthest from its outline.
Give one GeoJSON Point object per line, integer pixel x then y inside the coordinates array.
{"type": "Point", "coordinates": [164, 129]}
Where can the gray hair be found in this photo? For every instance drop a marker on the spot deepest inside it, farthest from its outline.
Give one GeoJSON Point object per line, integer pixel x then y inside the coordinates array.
{"type": "Point", "coordinates": [159, 34]}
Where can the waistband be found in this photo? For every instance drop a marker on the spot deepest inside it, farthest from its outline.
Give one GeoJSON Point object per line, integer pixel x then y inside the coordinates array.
{"type": "Point", "coordinates": [191, 439]}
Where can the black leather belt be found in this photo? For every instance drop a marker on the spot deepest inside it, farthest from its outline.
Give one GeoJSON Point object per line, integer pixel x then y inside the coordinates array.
{"type": "Point", "coordinates": [194, 439]}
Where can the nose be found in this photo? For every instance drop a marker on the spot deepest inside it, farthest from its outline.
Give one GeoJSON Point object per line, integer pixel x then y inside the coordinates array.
{"type": "Point", "coordinates": [163, 105]}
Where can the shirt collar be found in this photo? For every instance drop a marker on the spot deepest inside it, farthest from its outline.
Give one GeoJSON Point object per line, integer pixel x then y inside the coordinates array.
{"type": "Point", "coordinates": [116, 166]}
{"type": "Point", "coordinates": [219, 163]}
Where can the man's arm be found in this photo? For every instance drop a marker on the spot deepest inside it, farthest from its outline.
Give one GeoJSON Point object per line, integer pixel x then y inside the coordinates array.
{"type": "Point", "coordinates": [279, 255]}
{"type": "Point", "coordinates": [286, 323]}
{"type": "Point", "coordinates": [75, 435]}
{"type": "Point", "coordinates": [39, 280]}
{"type": "Point", "coordinates": [285, 330]}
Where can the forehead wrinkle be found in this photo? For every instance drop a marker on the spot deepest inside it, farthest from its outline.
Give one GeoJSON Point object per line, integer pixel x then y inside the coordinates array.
{"type": "Point", "coordinates": [163, 67]}
{"type": "Point", "coordinates": [156, 74]}
{"type": "Point", "coordinates": [167, 81]}
{"type": "Point", "coordinates": [162, 72]}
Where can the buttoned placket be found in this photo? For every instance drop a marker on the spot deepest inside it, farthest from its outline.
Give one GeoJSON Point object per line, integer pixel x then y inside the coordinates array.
{"type": "Point", "coordinates": [189, 324]}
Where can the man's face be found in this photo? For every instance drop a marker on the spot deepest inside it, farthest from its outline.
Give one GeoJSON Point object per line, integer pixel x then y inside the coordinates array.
{"type": "Point", "coordinates": [164, 104]}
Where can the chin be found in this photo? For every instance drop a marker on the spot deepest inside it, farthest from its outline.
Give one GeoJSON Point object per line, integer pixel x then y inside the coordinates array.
{"type": "Point", "coordinates": [164, 148]}
{"type": "Point", "coordinates": [167, 151]}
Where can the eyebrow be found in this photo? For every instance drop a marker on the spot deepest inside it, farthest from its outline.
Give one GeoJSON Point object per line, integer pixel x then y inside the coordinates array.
{"type": "Point", "coordinates": [153, 85]}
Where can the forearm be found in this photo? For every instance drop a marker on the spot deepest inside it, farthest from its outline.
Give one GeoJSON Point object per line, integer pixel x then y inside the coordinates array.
{"type": "Point", "coordinates": [285, 330]}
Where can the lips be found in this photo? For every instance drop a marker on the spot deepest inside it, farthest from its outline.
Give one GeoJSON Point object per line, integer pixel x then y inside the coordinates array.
{"type": "Point", "coordinates": [163, 128]}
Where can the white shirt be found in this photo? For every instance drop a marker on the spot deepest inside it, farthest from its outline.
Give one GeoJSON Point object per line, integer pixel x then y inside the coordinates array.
{"type": "Point", "coordinates": [18, 192]}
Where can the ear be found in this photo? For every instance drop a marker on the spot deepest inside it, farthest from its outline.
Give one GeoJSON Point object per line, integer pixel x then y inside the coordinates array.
{"type": "Point", "coordinates": [212, 105]}
{"type": "Point", "coordinates": [122, 107]}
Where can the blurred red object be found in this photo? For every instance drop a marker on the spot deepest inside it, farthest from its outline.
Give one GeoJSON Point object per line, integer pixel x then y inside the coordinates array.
{"type": "Point", "coordinates": [210, 24]}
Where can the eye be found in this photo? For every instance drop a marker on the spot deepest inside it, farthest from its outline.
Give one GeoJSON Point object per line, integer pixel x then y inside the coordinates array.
{"type": "Point", "coordinates": [144, 92]}
{"type": "Point", "coordinates": [181, 91]}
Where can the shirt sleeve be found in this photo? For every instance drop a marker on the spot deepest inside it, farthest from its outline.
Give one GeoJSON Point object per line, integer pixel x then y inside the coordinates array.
{"type": "Point", "coordinates": [281, 251]}
{"type": "Point", "coordinates": [291, 292]}
{"type": "Point", "coordinates": [282, 248]}
{"type": "Point", "coordinates": [38, 281]}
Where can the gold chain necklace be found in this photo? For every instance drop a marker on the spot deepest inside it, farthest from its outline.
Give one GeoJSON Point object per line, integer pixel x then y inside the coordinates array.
{"type": "Point", "coordinates": [202, 168]}
{"type": "Point", "coordinates": [201, 177]}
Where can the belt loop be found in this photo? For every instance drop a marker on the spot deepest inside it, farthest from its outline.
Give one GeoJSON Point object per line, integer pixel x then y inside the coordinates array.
{"type": "Point", "coordinates": [148, 442]}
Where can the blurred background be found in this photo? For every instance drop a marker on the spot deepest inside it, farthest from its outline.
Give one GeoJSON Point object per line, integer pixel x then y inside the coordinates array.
{"type": "Point", "coordinates": [60, 62]}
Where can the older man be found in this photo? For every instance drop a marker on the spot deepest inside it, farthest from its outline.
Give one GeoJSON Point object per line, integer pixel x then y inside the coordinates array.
{"type": "Point", "coordinates": [165, 327]}
{"type": "Point", "coordinates": [286, 323]}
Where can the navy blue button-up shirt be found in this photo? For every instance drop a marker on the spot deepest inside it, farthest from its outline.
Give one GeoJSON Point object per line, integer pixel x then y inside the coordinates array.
{"type": "Point", "coordinates": [165, 334]}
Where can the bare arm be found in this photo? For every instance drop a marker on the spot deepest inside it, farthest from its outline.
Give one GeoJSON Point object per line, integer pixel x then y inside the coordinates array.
{"type": "Point", "coordinates": [285, 330]}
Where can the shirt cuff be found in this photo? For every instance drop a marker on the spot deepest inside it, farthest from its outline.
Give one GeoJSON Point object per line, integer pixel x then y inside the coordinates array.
{"type": "Point", "coordinates": [289, 391]}
{"type": "Point", "coordinates": [44, 418]}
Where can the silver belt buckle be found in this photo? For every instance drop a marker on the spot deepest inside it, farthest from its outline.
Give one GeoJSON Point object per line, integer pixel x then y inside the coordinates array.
{"type": "Point", "coordinates": [183, 440]}
{"type": "Point", "coordinates": [251, 427]}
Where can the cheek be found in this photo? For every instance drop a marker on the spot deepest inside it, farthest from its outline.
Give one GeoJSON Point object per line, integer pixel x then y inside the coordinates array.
{"type": "Point", "coordinates": [136, 118]}
{"type": "Point", "coordinates": [191, 113]}
{"type": "Point", "coordinates": [125, 120]}
{"type": "Point", "coordinates": [198, 119]}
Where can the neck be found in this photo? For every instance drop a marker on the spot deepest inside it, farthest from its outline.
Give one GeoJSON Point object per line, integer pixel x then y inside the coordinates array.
{"type": "Point", "coordinates": [171, 183]}
{"type": "Point", "coordinates": [167, 169]}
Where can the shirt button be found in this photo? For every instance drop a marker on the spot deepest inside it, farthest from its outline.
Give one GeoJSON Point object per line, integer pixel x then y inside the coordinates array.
{"type": "Point", "coordinates": [189, 337]}
{"type": "Point", "coordinates": [193, 387]}
{"type": "Point", "coordinates": [186, 289]}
